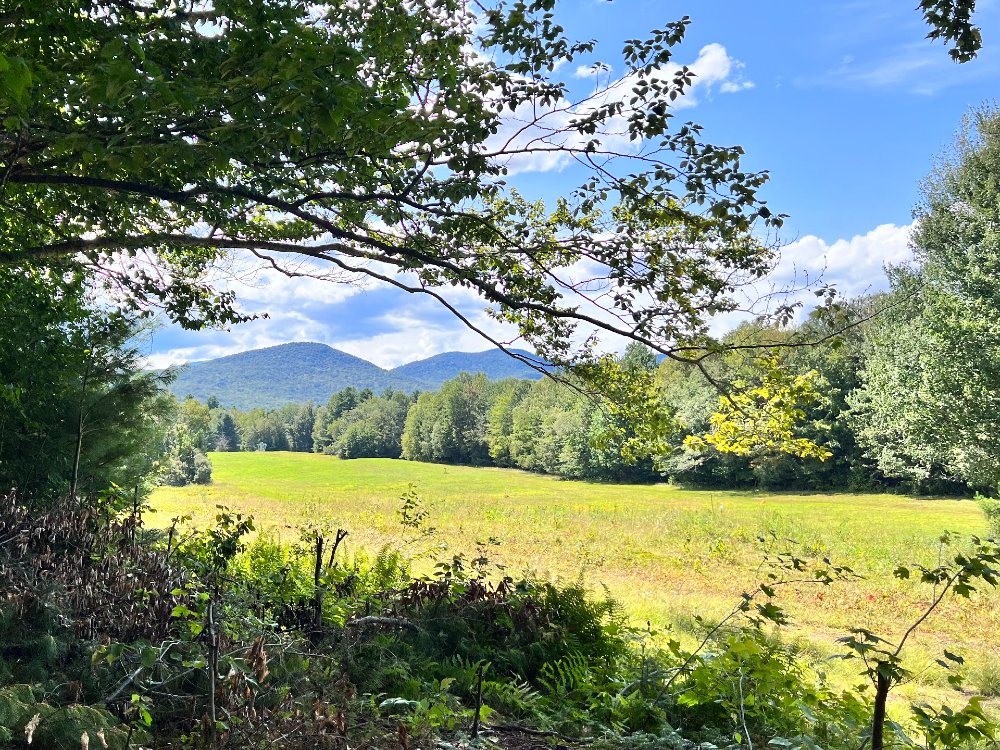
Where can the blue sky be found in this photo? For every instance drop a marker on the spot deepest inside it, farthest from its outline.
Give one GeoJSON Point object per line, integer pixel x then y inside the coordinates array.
{"type": "Point", "coordinates": [844, 102]}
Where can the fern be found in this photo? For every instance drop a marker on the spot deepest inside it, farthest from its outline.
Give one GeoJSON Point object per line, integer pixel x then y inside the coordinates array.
{"type": "Point", "coordinates": [513, 698]}
{"type": "Point", "coordinates": [17, 704]}
{"type": "Point", "coordinates": [57, 727]}
{"type": "Point", "coordinates": [566, 675]}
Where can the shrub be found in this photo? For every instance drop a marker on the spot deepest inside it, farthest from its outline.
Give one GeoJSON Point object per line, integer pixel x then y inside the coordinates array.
{"type": "Point", "coordinates": [991, 509]}
{"type": "Point", "coordinates": [187, 465]}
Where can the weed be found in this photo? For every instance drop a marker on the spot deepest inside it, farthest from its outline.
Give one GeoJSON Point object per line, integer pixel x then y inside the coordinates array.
{"type": "Point", "coordinates": [983, 675]}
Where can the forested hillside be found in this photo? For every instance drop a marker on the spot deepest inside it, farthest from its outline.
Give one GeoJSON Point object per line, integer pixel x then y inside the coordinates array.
{"type": "Point", "coordinates": [302, 372]}
{"type": "Point", "coordinates": [279, 375]}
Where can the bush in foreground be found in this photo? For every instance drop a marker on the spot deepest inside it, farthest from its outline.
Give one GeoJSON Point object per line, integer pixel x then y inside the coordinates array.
{"type": "Point", "coordinates": [203, 639]}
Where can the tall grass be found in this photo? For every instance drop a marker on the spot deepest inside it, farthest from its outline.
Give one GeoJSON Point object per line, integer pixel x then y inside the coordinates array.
{"type": "Point", "coordinates": [664, 552]}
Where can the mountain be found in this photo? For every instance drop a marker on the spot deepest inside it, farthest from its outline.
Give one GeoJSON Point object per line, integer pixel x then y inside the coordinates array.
{"type": "Point", "coordinates": [285, 374]}
{"type": "Point", "coordinates": [497, 365]}
{"type": "Point", "coordinates": [300, 372]}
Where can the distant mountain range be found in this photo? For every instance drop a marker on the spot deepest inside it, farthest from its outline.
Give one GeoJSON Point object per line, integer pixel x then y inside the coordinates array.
{"type": "Point", "coordinates": [301, 372]}
{"type": "Point", "coordinates": [441, 367]}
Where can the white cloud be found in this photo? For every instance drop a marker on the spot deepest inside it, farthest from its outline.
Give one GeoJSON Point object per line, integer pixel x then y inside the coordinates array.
{"type": "Point", "coordinates": [592, 71]}
{"type": "Point", "coordinates": [713, 69]}
{"type": "Point", "coordinates": [731, 87]}
{"type": "Point", "coordinates": [543, 131]}
{"type": "Point", "coordinates": [280, 327]}
{"type": "Point", "coordinates": [416, 332]}
{"type": "Point", "coordinates": [268, 289]}
{"type": "Point", "coordinates": [856, 266]}
{"type": "Point", "coordinates": [293, 303]}
{"type": "Point", "coordinates": [921, 68]}
{"type": "Point", "coordinates": [714, 66]}
{"type": "Point", "coordinates": [908, 67]}
{"type": "Point", "coordinates": [558, 64]}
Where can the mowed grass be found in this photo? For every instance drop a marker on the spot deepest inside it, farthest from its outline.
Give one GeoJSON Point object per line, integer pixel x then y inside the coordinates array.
{"type": "Point", "coordinates": [665, 553]}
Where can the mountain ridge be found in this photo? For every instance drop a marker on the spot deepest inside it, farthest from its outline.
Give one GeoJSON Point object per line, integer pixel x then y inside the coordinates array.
{"type": "Point", "coordinates": [493, 362]}
{"type": "Point", "coordinates": [298, 372]}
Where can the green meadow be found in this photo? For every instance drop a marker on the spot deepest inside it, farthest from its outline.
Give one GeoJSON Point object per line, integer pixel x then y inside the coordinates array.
{"type": "Point", "coordinates": [665, 553]}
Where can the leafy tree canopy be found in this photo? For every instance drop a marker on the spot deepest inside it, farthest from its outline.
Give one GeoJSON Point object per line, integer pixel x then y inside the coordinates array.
{"type": "Point", "coordinates": [951, 20]}
{"type": "Point", "coordinates": [929, 400]}
{"type": "Point", "coordinates": [148, 139]}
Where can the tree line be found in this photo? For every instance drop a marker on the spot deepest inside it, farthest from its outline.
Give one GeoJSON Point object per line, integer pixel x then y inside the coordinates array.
{"type": "Point", "coordinates": [553, 426]}
{"type": "Point", "coordinates": [877, 427]}
{"type": "Point", "coordinates": [903, 388]}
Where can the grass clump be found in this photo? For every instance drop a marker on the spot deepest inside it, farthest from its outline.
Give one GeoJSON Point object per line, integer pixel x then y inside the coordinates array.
{"type": "Point", "coordinates": [983, 675]}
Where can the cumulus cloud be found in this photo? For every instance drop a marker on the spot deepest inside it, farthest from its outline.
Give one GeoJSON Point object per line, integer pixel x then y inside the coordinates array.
{"type": "Point", "coordinates": [542, 132]}
{"type": "Point", "coordinates": [269, 290]}
{"type": "Point", "coordinates": [714, 67]}
{"type": "Point", "coordinates": [292, 307]}
{"type": "Point", "coordinates": [856, 265]}
{"type": "Point", "coordinates": [417, 332]}
{"type": "Point", "coordinates": [280, 327]}
{"type": "Point", "coordinates": [592, 71]}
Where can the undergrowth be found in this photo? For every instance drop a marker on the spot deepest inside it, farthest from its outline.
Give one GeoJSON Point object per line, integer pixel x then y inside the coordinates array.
{"type": "Point", "coordinates": [117, 636]}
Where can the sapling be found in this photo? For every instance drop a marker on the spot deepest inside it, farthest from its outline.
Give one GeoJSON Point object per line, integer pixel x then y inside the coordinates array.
{"type": "Point", "coordinates": [883, 658]}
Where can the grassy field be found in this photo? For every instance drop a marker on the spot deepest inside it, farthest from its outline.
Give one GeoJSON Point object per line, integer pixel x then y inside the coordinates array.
{"type": "Point", "coordinates": [664, 552]}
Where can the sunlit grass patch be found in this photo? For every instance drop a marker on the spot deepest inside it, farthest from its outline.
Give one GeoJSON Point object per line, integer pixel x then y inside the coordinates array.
{"type": "Point", "coordinates": [665, 553]}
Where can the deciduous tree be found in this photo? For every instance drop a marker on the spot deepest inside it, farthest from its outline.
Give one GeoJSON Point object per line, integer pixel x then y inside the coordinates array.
{"type": "Point", "coordinates": [375, 140]}
{"type": "Point", "coordinates": [930, 398]}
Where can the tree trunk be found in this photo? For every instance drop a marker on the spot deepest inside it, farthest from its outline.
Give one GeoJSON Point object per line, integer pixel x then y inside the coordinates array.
{"type": "Point", "coordinates": [75, 479]}
{"type": "Point", "coordinates": [882, 686]}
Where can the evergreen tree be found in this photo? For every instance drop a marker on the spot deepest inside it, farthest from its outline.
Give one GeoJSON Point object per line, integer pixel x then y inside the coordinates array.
{"type": "Point", "coordinates": [226, 438]}
{"type": "Point", "coordinates": [77, 412]}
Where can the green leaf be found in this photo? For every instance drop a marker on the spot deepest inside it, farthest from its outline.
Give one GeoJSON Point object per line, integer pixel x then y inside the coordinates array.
{"type": "Point", "coordinates": [953, 657]}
